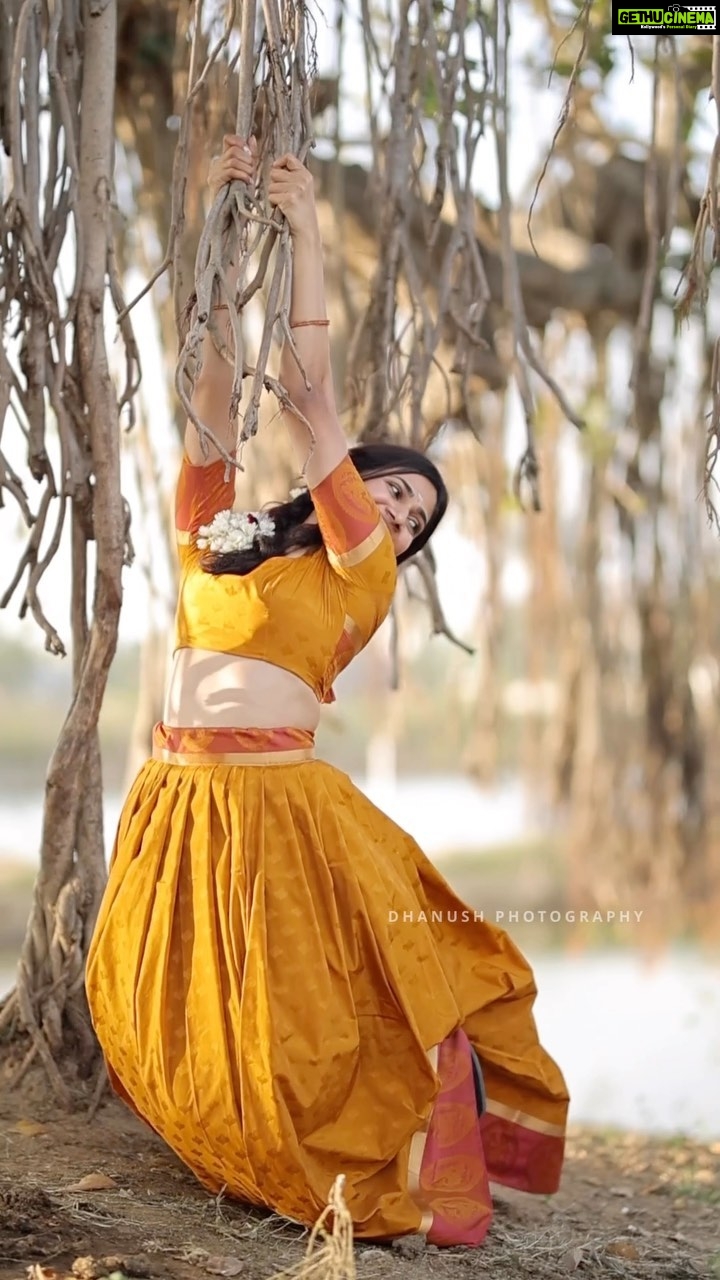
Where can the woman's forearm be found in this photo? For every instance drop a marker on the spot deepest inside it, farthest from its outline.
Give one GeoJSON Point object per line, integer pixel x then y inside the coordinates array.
{"type": "Point", "coordinates": [216, 371]}
{"type": "Point", "coordinates": [210, 399]}
{"type": "Point", "coordinates": [312, 341]}
{"type": "Point", "coordinates": [307, 303]}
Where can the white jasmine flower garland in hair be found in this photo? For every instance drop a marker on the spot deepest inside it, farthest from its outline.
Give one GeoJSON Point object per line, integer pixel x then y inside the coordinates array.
{"type": "Point", "coordinates": [235, 531]}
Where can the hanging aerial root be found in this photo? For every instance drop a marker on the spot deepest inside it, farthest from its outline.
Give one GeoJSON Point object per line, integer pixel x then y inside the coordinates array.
{"type": "Point", "coordinates": [329, 1254]}
{"type": "Point", "coordinates": [582, 19]}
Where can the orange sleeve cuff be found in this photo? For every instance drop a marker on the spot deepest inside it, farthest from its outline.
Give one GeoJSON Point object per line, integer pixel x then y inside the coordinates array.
{"type": "Point", "coordinates": [347, 514]}
{"type": "Point", "coordinates": [201, 493]}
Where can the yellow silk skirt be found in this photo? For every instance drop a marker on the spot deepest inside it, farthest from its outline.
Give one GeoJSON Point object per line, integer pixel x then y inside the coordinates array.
{"type": "Point", "coordinates": [285, 989]}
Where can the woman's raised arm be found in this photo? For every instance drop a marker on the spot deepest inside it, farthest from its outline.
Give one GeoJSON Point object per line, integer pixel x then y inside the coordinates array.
{"type": "Point", "coordinates": [213, 388]}
{"type": "Point", "coordinates": [291, 190]}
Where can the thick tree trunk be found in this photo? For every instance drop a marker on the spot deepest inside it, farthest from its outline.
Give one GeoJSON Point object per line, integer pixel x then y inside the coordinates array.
{"type": "Point", "coordinates": [49, 997]}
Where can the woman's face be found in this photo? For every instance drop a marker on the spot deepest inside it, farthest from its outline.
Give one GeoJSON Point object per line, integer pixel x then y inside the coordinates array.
{"type": "Point", "coordinates": [406, 501]}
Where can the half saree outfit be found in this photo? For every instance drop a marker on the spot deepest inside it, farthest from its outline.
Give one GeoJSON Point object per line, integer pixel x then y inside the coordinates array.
{"type": "Point", "coordinates": [283, 985]}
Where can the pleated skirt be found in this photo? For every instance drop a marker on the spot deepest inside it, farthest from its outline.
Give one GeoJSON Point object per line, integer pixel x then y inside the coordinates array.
{"type": "Point", "coordinates": [286, 989]}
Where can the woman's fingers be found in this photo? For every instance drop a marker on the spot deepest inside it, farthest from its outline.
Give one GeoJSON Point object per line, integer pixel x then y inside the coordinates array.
{"type": "Point", "coordinates": [301, 181]}
{"type": "Point", "coordinates": [231, 140]}
{"type": "Point", "coordinates": [229, 173]}
{"type": "Point", "coordinates": [236, 149]}
{"type": "Point", "coordinates": [284, 191]}
{"type": "Point", "coordinates": [241, 154]}
{"type": "Point", "coordinates": [290, 185]}
{"type": "Point", "coordinates": [236, 164]}
{"type": "Point", "coordinates": [288, 163]}
{"type": "Point", "coordinates": [245, 163]}
{"type": "Point", "coordinates": [244, 158]}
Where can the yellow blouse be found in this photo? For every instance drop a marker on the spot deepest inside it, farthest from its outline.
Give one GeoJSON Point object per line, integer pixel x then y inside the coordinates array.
{"type": "Point", "coordinates": [308, 614]}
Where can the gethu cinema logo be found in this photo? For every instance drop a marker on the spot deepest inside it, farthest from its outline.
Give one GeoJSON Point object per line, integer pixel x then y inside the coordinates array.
{"type": "Point", "coordinates": [698, 17]}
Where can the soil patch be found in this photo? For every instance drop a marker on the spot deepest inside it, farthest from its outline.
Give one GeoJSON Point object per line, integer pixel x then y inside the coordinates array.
{"type": "Point", "coordinates": [87, 1199]}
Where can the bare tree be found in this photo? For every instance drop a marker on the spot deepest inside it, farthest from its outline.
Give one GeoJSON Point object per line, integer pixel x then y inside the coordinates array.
{"type": "Point", "coordinates": [59, 406]}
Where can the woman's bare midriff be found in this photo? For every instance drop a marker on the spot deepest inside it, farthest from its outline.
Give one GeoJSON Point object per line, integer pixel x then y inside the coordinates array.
{"type": "Point", "coordinates": [218, 690]}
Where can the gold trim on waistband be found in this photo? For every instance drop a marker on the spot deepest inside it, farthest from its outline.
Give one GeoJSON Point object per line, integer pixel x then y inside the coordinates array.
{"type": "Point", "coordinates": [297, 756]}
{"type": "Point", "coordinates": [528, 1122]}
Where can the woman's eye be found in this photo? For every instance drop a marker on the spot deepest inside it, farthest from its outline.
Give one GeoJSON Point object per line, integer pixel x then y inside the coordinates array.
{"type": "Point", "coordinates": [394, 489]}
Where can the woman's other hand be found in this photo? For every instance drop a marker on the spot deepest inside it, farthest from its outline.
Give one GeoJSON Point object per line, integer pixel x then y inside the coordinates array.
{"type": "Point", "coordinates": [291, 190]}
{"type": "Point", "coordinates": [237, 163]}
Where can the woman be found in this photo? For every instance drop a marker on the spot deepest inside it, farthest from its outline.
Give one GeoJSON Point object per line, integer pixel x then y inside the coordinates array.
{"type": "Point", "coordinates": [282, 984]}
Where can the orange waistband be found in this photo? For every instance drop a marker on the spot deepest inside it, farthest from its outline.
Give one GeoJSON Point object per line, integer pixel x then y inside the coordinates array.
{"type": "Point", "coordinates": [232, 746]}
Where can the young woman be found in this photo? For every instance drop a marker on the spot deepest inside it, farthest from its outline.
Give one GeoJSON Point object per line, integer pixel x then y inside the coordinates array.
{"type": "Point", "coordinates": [282, 984]}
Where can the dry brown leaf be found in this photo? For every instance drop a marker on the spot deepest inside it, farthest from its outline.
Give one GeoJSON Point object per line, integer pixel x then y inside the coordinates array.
{"type": "Point", "coordinates": [28, 1128]}
{"type": "Point", "coordinates": [224, 1266]}
{"type": "Point", "coordinates": [622, 1249]}
{"type": "Point", "coordinates": [571, 1259]}
{"type": "Point", "coordinates": [93, 1182]}
{"type": "Point", "coordinates": [36, 1272]}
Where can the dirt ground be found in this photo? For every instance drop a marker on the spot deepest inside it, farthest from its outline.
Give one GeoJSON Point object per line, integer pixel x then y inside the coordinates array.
{"type": "Point", "coordinates": [105, 1198]}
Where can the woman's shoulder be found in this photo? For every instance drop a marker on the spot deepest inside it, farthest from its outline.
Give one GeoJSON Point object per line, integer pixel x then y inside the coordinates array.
{"type": "Point", "coordinates": [357, 541]}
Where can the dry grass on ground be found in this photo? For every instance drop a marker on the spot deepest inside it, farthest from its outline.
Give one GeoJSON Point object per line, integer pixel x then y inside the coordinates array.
{"type": "Point", "coordinates": [629, 1208]}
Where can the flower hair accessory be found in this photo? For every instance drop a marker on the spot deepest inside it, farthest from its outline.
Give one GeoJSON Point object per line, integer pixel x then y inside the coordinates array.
{"type": "Point", "coordinates": [235, 531]}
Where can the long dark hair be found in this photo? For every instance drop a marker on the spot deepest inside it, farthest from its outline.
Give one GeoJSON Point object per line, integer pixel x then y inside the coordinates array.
{"type": "Point", "coordinates": [292, 534]}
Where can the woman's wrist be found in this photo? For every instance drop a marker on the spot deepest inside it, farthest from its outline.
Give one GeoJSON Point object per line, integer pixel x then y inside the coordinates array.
{"type": "Point", "coordinates": [308, 235]}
